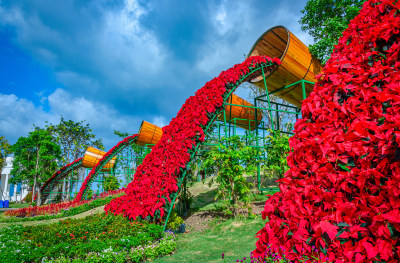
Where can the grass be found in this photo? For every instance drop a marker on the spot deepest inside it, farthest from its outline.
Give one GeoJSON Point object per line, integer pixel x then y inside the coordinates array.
{"type": "Point", "coordinates": [21, 205]}
{"type": "Point", "coordinates": [233, 237]}
{"type": "Point", "coordinates": [204, 196]}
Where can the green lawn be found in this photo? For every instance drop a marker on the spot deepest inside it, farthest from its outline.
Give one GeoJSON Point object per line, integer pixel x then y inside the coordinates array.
{"type": "Point", "coordinates": [234, 238]}
{"type": "Point", "coordinates": [16, 205]}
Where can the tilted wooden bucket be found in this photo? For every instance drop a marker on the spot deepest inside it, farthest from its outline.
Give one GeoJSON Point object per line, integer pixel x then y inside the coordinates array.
{"type": "Point", "coordinates": [148, 134]}
{"type": "Point", "coordinates": [297, 64]}
{"type": "Point", "coordinates": [92, 157]}
{"type": "Point", "coordinates": [245, 116]}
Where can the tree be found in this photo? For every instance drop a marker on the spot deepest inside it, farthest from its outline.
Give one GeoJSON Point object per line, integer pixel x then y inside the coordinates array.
{"type": "Point", "coordinates": [277, 147]}
{"type": "Point", "coordinates": [35, 160]}
{"type": "Point", "coordinates": [110, 182]}
{"type": "Point", "coordinates": [325, 20]}
{"type": "Point", "coordinates": [5, 149]}
{"type": "Point", "coordinates": [73, 138]}
{"type": "Point", "coordinates": [230, 160]}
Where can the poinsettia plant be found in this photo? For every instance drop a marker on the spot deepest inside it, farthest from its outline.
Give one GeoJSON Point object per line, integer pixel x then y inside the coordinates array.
{"type": "Point", "coordinates": [340, 199]}
{"type": "Point", "coordinates": [155, 182]}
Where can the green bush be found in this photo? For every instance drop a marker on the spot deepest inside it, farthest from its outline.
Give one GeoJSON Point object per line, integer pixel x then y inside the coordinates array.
{"type": "Point", "coordinates": [152, 250]}
{"type": "Point", "coordinates": [110, 182]}
{"type": "Point", "coordinates": [77, 238]}
{"type": "Point", "coordinates": [229, 161]}
{"type": "Point", "coordinates": [174, 221]}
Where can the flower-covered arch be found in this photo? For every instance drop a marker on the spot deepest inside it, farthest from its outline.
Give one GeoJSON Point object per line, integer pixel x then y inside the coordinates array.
{"type": "Point", "coordinates": [160, 176]}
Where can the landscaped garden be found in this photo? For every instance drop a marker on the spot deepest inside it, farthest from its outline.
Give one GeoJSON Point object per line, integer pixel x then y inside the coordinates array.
{"type": "Point", "coordinates": [333, 193]}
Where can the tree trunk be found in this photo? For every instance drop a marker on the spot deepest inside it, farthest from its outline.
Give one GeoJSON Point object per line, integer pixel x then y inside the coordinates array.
{"type": "Point", "coordinates": [63, 191]}
{"type": "Point", "coordinates": [39, 198]}
{"type": "Point", "coordinates": [33, 189]}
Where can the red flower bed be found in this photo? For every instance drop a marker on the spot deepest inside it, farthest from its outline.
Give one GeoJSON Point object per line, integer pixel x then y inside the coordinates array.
{"type": "Point", "coordinates": [55, 208]}
{"type": "Point", "coordinates": [341, 197]}
{"type": "Point", "coordinates": [102, 162]}
{"type": "Point", "coordinates": [155, 181]}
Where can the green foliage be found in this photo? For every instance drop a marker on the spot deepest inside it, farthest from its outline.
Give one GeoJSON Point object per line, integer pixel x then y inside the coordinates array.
{"type": "Point", "coordinates": [89, 194]}
{"type": "Point", "coordinates": [229, 161]}
{"type": "Point", "coordinates": [5, 150]}
{"type": "Point", "coordinates": [151, 251]}
{"type": "Point", "coordinates": [325, 21]}
{"type": "Point", "coordinates": [35, 159]}
{"type": "Point", "coordinates": [110, 182]}
{"type": "Point", "coordinates": [73, 138]}
{"type": "Point", "coordinates": [174, 221]}
{"type": "Point", "coordinates": [105, 235]}
{"type": "Point", "coordinates": [277, 147]}
{"type": "Point", "coordinates": [28, 197]}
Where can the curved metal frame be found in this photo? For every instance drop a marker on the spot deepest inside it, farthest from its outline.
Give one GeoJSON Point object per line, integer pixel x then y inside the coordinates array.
{"type": "Point", "coordinates": [48, 186]}
{"type": "Point", "coordinates": [103, 161]}
{"type": "Point", "coordinates": [193, 152]}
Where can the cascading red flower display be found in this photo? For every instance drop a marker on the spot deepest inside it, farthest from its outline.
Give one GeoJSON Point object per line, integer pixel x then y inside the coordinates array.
{"type": "Point", "coordinates": [156, 179]}
{"type": "Point", "coordinates": [102, 162]}
{"type": "Point", "coordinates": [340, 198]}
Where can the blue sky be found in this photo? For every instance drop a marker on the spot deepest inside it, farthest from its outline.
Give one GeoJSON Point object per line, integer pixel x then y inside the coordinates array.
{"type": "Point", "coordinates": [116, 63]}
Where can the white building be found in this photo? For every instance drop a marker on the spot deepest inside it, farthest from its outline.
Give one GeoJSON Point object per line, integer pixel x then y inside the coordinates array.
{"type": "Point", "coordinates": [8, 191]}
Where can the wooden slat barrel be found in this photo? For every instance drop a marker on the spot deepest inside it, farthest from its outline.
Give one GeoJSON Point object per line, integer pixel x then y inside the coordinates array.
{"type": "Point", "coordinates": [297, 64]}
{"type": "Point", "coordinates": [92, 157]}
{"type": "Point", "coordinates": [247, 116]}
{"type": "Point", "coordinates": [148, 134]}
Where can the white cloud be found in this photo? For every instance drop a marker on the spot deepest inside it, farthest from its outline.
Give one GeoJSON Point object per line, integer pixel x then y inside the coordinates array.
{"type": "Point", "coordinates": [107, 45]}
{"type": "Point", "coordinates": [238, 25]}
{"type": "Point", "coordinates": [104, 119]}
{"type": "Point", "coordinates": [160, 121]}
{"type": "Point", "coordinates": [289, 18]}
{"type": "Point", "coordinates": [233, 23]}
{"type": "Point", "coordinates": [18, 115]}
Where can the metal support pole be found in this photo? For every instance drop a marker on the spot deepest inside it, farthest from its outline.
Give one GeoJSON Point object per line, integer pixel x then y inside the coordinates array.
{"type": "Point", "coordinates": [277, 117]}
{"type": "Point", "coordinates": [303, 88]}
{"type": "Point", "coordinates": [269, 102]}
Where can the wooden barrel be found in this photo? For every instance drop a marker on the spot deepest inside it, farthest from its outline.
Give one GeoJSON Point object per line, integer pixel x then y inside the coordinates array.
{"type": "Point", "coordinates": [92, 157]}
{"type": "Point", "coordinates": [297, 64]}
{"type": "Point", "coordinates": [148, 134]}
{"type": "Point", "coordinates": [245, 116]}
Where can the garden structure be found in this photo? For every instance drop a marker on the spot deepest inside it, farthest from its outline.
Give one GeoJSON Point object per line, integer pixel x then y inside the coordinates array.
{"type": "Point", "coordinates": [124, 163]}
{"type": "Point", "coordinates": [340, 200]}
{"type": "Point", "coordinates": [291, 78]}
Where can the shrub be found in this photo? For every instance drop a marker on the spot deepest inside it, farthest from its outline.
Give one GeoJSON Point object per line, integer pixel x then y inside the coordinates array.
{"type": "Point", "coordinates": [230, 160]}
{"type": "Point", "coordinates": [101, 235]}
{"type": "Point", "coordinates": [174, 221]}
{"type": "Point", "coordinates": [110, 182]}
{"type": "Point", "coordinates": [28, 198]}
{"type": "Point", "coordinates": [277, 147]}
